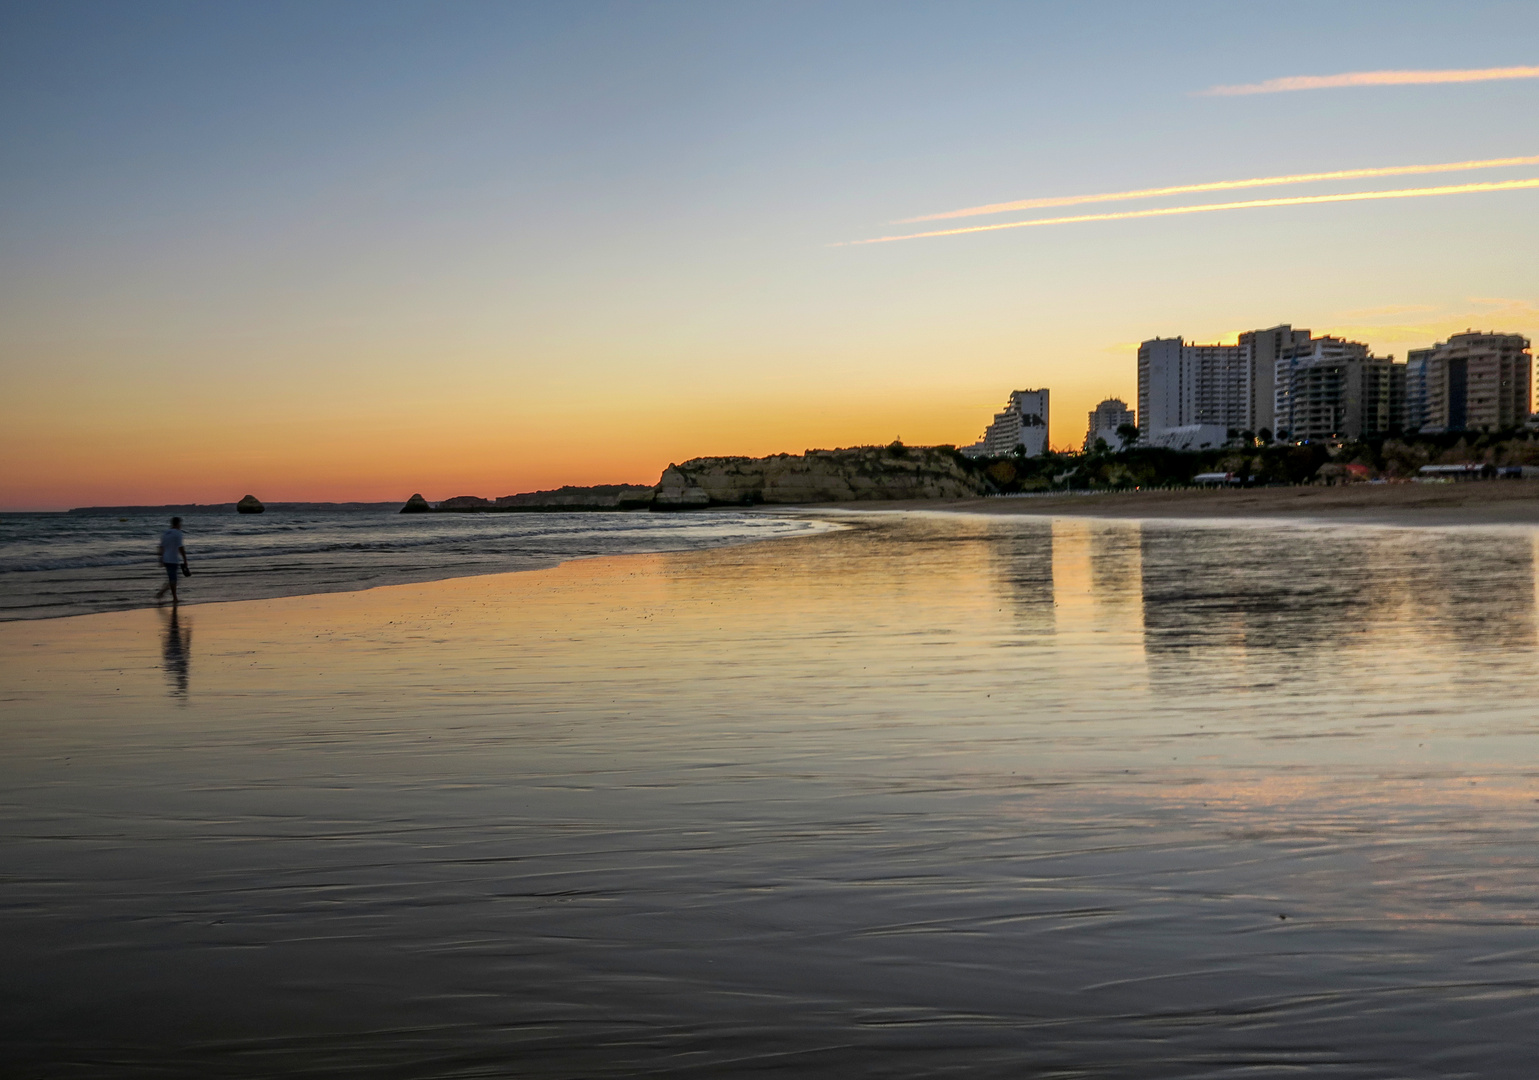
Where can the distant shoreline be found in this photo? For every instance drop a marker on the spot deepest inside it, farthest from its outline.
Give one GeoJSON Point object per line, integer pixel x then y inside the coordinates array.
{"type": "Point", "coordinates": [194, 508]}
{"type": "Point", "coordinates": [1487, 502]}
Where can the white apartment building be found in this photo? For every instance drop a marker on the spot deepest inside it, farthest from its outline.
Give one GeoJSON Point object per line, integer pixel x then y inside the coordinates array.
{"type": "Point", "coordinates": [1021, 423]}
{"type": "Point", "coordinates": [1180, 385]}
{"type": "Point", "coordinates": [1262, 348]}
{"type": "Point", "coordinates": [1298, 418]}
{"type": "Point", "coordinates": [1214, 386]}
{"type": "Point", "coordinates": [1477, 381]}
{"type": "Point", "coordinates": [1105, 419]}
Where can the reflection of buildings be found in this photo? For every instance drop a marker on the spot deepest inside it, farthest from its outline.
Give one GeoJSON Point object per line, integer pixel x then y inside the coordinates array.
{"type": "Point", "coordinates": [1261, 605]}
{"type": "Point", "coordinates": [176, 652]}
{"type": "Point", "coordinates": [1021, 553]}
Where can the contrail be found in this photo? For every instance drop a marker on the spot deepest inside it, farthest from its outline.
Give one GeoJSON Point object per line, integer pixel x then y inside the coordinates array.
{"type": "Point", "coordinates": [1371, 78]}
{"type": "Point", "coordinates": [1169, 211]}
{"type": "Point", "coordinates": [1223, 185]}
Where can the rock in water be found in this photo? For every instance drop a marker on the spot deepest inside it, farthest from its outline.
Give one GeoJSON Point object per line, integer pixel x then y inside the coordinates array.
{"type": "Point", "coordinates": [416, 505]}
{"type": "Point", "coordinates": [249, 505]}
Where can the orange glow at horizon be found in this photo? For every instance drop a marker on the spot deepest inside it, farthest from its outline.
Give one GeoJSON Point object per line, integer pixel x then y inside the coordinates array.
{"type": "Point", "coordinates": [1222, 185]}
{"type": "Point", "coordinates": [1249, 204]}
{"type": "Point", "coordinates": [483, 454]}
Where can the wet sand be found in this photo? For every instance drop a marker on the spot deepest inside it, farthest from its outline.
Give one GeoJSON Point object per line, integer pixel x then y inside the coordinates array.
{"type": "Point", "coordinates": [928, 795]}
{"type": "Point", "coordinates": [1493, 502]}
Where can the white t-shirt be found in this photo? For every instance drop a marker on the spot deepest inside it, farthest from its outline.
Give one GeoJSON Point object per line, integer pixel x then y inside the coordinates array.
{"type": "Point", "coordinates": [170, 542]}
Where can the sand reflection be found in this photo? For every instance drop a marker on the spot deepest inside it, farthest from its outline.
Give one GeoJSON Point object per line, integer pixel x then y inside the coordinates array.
{"type": "Point", "coordinates": [176, 650]}
{"type": "Point", "coordinates": [1053, 792]}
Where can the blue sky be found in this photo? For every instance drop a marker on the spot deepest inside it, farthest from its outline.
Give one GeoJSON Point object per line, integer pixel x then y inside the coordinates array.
{"type": "Point", "coordinates": [493, 247]}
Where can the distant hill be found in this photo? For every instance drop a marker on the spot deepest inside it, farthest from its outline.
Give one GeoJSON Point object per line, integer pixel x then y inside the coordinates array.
{"type": "Point", "coordinates": [194, 508]}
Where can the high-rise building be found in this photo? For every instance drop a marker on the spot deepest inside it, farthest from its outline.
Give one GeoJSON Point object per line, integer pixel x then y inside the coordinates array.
{"type": "Point", "coordinates": [1021, 423]}
{"type": "Point", "coordinates": [1180, 385]}
{"type": "Point", "coordinates": [1226, 386]}
{"type": "Point", "coordinates": [1478, 381]}
{"type": "Point", "coordinates": [1330, 388]}
{"type": "Point", "coordinates": [1164, 386]}
{"type": "Point", "coordinates": [1105, 419]}
{"type": "Point", "coordinates": [1262, 348]}
{"type": "Point", "coordinates": [1416, 388]}
{"type": "Point", "coordinates": [1319, 413]}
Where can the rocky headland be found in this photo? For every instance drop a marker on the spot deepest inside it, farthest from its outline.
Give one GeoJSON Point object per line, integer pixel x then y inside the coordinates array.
{"type": "Point", "coordinates": [597, 497]}
{"type": "Point", "coordinates": [864, 473]}
{"type": "Point", "coordinates": [821, 476]}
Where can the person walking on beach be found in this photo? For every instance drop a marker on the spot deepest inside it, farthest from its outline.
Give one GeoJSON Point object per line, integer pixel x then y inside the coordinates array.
{"type": "Point", "coordinates": [173, 555]}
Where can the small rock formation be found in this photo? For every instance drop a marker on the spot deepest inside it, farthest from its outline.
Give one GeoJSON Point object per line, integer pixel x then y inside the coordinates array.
{"type": "Point", "coordinates": [249, 505]}
{"type": "Point", "coordinates": [464, 502]}
{"type": "Point", "coordinates": [417, 505]}
{"type": "Point", "coordinates": [597, 497]}
{"type": "Point", "coordinates": [857, 474]}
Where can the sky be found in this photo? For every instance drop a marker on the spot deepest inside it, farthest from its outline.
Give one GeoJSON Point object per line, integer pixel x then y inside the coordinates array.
{"type": "Point", "coordinates": [355, 250]}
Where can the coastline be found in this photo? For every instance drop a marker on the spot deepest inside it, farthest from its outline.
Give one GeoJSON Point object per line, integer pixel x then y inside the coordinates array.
{"type": "Point", "coordinates": [1501, 503]}
{"type": "Point", "coordinates": [320, 554]}
{"type": "Point", "coordinates": [1484, 503]}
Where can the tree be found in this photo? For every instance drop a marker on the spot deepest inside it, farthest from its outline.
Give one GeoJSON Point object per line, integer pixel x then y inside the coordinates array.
{"type": "Point", "coordinates": [1128, 433]}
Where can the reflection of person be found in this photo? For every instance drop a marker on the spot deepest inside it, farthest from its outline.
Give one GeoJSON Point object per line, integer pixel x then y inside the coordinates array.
{"type": "Point", "coordinates": [172, 556]}
{"type": "Point", "coordinates": [176, 651]}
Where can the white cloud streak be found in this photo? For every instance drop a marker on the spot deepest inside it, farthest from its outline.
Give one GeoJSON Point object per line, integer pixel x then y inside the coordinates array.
{"type": "Point", "coordinates": [1250, 204]}
{"type": "Point", "coordinates": [1223, 185]}
{"type": "Point", "coordinates": [1370, 78]}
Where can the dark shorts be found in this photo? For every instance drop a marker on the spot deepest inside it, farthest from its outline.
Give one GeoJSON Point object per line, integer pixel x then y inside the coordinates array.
{"type": "Point", "coordinates": [172, 569]}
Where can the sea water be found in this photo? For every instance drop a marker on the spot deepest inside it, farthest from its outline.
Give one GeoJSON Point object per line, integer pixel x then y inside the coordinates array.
{"type": "Point", "coordinates": [928, 795]}
{"type": "Point", "coordinates": [69, 564]}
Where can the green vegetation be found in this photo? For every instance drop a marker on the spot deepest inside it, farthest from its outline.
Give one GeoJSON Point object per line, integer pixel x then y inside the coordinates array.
{"type": "Point", "coordinates": [1256, 461]}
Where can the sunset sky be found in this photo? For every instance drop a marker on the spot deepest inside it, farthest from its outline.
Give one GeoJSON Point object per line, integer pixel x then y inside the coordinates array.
{"type": "Point", "coordinates": [338, 251]}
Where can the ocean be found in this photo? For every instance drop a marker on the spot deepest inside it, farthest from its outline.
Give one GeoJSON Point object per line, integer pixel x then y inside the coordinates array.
{"type": "Point", "coordinates": [80, 562]}
{"type": "Point", "coordinates": [926, 795]}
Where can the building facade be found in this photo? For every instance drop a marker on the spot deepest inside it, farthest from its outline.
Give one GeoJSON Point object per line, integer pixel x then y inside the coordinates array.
{"type": "Point", "coordinates": [1021, 423]}
{"type": "Point", "coordinates": [1105, 419]}
{"type": "Point", "coordinates": [1164, 386]}
{"type": "Point", "coordinates": [1227, 386]}
{"type": "Point", "coordinates": [1262, 348]}
{"type": "Point", "coordinates": [1181, 384]}
{"type": "Point", "coordinates": [1477, 381]}
{"type": "Point", "coordinates": [1330, 388]}
{"type": "Point", "coordinates": [1416, 388]}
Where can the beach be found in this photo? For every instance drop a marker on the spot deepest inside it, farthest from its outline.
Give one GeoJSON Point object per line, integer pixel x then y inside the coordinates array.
{"type": "Point", "coordinates": [928, 793]}
{"type": "Point", "coordinates": [1495, 502]}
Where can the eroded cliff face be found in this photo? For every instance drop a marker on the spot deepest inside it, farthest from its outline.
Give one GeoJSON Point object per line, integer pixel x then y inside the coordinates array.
{"type": "Point", "coordinates": [863, 473]}
{"type": "Point", "coordinates": [597, 497]}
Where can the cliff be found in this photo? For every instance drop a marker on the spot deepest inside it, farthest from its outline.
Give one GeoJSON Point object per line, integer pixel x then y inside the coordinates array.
{"type": "Point", "coordinates": [863, 473]}
{"type": "Point", "coordinates": [859, 474]}
{"type": "Point", "coordinates": [597, 497]}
